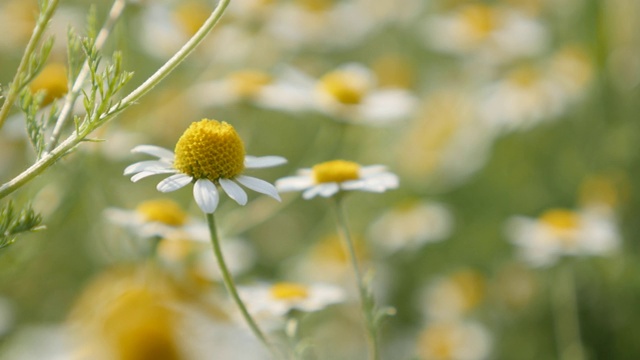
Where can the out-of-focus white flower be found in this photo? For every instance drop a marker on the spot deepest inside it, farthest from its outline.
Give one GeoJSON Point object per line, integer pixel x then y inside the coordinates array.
{"type": "Point", "coordinates": [559, 232]}
{"type": "Point", "coordinates": [208, 154]}
{"type": "Point", "coordinates": [318, 23]}
{"type": "Point", "coordinates": [446, 141]}
{"type": "Point", "coordinates": [453, 296]}
{"type": "Point", "coordinates": [276, 300]}
{"type": "Point", "coordinates": [411, 225]}
{"type": "Point", "coordinates": [456, 340]}
{"type": "Point", "coordinates": [328, 178]}
{"type": "Point", "coordinates": [159, 218]}
{"type": "Point", "coordinates": [491, 34]}
{"type": "Point", "coordinates": [252, 86]}
{"type": "Point", "coordinates": [381, 12]}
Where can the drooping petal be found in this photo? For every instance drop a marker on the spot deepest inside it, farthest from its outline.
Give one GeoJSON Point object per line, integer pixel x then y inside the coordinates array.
{"type": "Point", "coordinates": [234, 191]}
{"type": "Point", "coordinates": [157, 151]}
{"type": "Point", "coordinates": [174, 182]}
{"type": "Point", "coordinates": [258, 185]}
{"type": "Point", "coordinates": [254, 162]}
{"type": "Point", "coordinates": [329, 189]}
{"type": "Point", "coordinates": [380, 182]}
{"type": "Point", "coordinates": [145, 166]}
{"type": "Point", "coordinates": [206, 195]}
{"type": "Point", "coordinates": [371, 170]}
{"type": "Point", "coordinates": [143, 174]}
{"type": "Point", "coordinates": [316, 190]}
{"type": "Point", "coordinates": [294, 183]}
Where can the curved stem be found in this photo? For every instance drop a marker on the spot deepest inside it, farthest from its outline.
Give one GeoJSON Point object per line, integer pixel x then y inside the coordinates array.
{"type": "Point", "coordinates": [17, 83]}
{"type": "Point", "coordinates": [229, 284]}
{"type": "Point", "coordinates": [366, 300]}
{"type": "Point", "coordinates": [74, 139]}
{"type": "Point", "coordinates": [72, 96]}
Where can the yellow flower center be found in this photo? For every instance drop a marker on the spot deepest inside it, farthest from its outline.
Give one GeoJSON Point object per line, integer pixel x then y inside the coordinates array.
{"type": "Point", "coordinates": [437, 342]}
{"type": "Point", "coordinates": [345, 87]}
{"type": "Point", "coordinates": [289, 291]}
{"type": "Point", "coordinates": [524, 76]}
{"type": "Point", "coordinates": [472, 287]}
{"type": "Point", "coordinates": [316, 5]}
{"type": "Point", "coordinates": [393, 70]}
{"type": "Point", "coordinates": [210, 149]}
{"type": "Point", "coordinates": [52, 80]}
{"type": "Point", "coordinates": [162, 210]}
{"type": "Point", "coordinates": [191, 15]}
{"type": "Point", "coordinates": [248, 83]}
{"type": "Point", "coordinates": [560, 219]}
{"type": "Point", "coordinates": [481, 19]}
{"type": "Point", "coordinates": [336, 171]}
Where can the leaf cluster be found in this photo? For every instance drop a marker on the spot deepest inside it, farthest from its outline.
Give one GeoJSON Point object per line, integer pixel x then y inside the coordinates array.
{"type": "Point", "coordinates": [15, 222]}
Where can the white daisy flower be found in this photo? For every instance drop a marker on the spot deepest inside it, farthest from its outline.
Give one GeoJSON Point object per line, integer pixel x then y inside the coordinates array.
{"type": "Point", "coordinates": [159, 218]}
{"type": "Point", "coordinates": [276, 300]}
{"type": "Point", "coordinates": [208, 154]}
{"type": "Point", "coordinates": [328, 178]}
{"type": "Point", "coordinates": [453, 296]}
{"type": "Point", "coordinates": [455, 340]}
{"type": "Point", "coordinates": [411, 225]}
{"type": "Point", "coordinates": [561, 232]}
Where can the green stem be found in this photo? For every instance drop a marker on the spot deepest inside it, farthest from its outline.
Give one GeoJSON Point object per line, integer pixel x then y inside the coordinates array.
{"type": "Point", "coordinates": [567, 322]}
{"type": "Point", "coordinates": [74, 139]}
{"type": "Point", "coordinates": [17, 84]}
{"type": "Point", "coordinates": [114, 14]}
{"type": "Point", "coordinates": [229, 284]}
{"type": "Point", "coordinates": [366, 300]}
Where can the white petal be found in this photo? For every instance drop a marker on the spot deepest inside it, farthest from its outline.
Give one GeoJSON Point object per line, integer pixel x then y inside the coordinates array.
{"type": "Point", "coordinates": [174, 182]}
{"type": "Point", "coordinates": [371, 170]}
{"type": "Point", "coordinates": [206, 195]}
{"type": "Point", "coordinates": [234, 191]}
{"type": "Point", "coordinates": [320, 190]}
{"type": "Point", "coordinates": [143, 174]}
{"type": "Point", "coordinates": [258, 185]}
{"type": "Point", "coordinates": [294, 183]}
{"type": "Point", "coordinates": [144, 166]}
{"type": "Point", "coordinates": [254, 162]}
{"type": "Point", "coordinates": [156, 151]}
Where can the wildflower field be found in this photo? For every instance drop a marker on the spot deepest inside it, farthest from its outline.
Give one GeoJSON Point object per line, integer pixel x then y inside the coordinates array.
{"type": "Point", "coordinates": [319, 179]}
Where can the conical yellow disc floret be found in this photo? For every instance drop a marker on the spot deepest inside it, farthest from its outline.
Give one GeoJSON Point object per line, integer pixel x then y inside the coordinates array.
{"type": "Point", "coordinates": [560, 219]}
{"type": "Point", "coordinates": [162, 210]}
{"type": "Point", "coordinates": [289, 291]}
{"type": "Point", "coordinates": [210, 149]}
{"type": "Point", "coordinates": [336, 171]}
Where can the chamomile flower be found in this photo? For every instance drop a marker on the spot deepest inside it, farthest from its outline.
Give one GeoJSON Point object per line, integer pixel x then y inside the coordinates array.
{"type": "Point", "coordinates": [328, 178]}
{"type": "Point", "coordinates": [456, 340]}
{"type": "Point", "coordinates": [208, 154]}
{"type": "Point", "coordinates": [453, 296]}
{"type": "Point", "coordinates": [276, 300]}
{"type": "Point", "coordinates": [159, 217]}
{"type": "Point", "coordinates": [562, 232]}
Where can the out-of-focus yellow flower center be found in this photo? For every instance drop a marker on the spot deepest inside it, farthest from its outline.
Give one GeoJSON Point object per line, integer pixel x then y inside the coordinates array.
{"type": "Point", "coordinates": [140, 327]}
{"type": "Point", "coordinates": [524, 76]}
{"type": "Point", "coordinates": [176, 249]}
{"type": "Point", "coordinates": [52, 80]}
{"type": "Point", "coordinates": [472, 287]}
{"type": "Point", "coordinates": [344, 86]}
{"type": "Point", "coordinates": [481, 19]}
{"type": "Point", "coordinates": [190, 15]}
{"type": "Point", "coordinates": [289, 291]}
{"type": "Point", "coordinates": [601, 190]}
{"type": "Point", "coordinates": [162, 210]}
{"type": "Point", "coordinates": [316, 5]}
{"type": "Point", "coordinates": [560, 219]}
{"type": "Point", "coordinates": [248, 83]}
{"type": "Point", "coordinates": [394, 70]}
{"type": "Point", "coordinates": [336, 171]}
{"type": "Point", "coordinates": [330, 249]}
{"type": "Point", "coordinates": [210, 149]}
{"type": "Point", "coordinates": [436, 342]}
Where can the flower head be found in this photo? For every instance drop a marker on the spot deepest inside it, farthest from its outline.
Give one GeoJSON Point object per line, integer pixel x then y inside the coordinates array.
{"type": "Point", "coordinates": [209, 154]}
{"type": "Point", "coordinates": [328, 178]}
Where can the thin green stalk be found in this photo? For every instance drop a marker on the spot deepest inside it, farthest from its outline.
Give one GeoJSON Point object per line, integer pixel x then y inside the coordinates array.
{"type": "Point", "coordinates": [74, 139]}
{"type": "Point", "coordinates": [17, 83]}
{"type": "Point", "coordinates": [366, 300]}
{"type": "Point", "coordinates": [229, 284]}
{"type": "Point", "coordinates": [65, 112]}
{"type": "Point", "coordinates": [567, 322]}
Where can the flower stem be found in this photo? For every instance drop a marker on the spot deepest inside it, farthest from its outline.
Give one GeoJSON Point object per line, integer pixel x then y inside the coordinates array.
{"type": "Point", "coordinates": [567, 322]}
{"type": "Point", "coordinates": [367, 301]}
{"type": "Point", "coordinates": [230, 285]}
{"type": "Point", "coordinates": [18, 81]}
